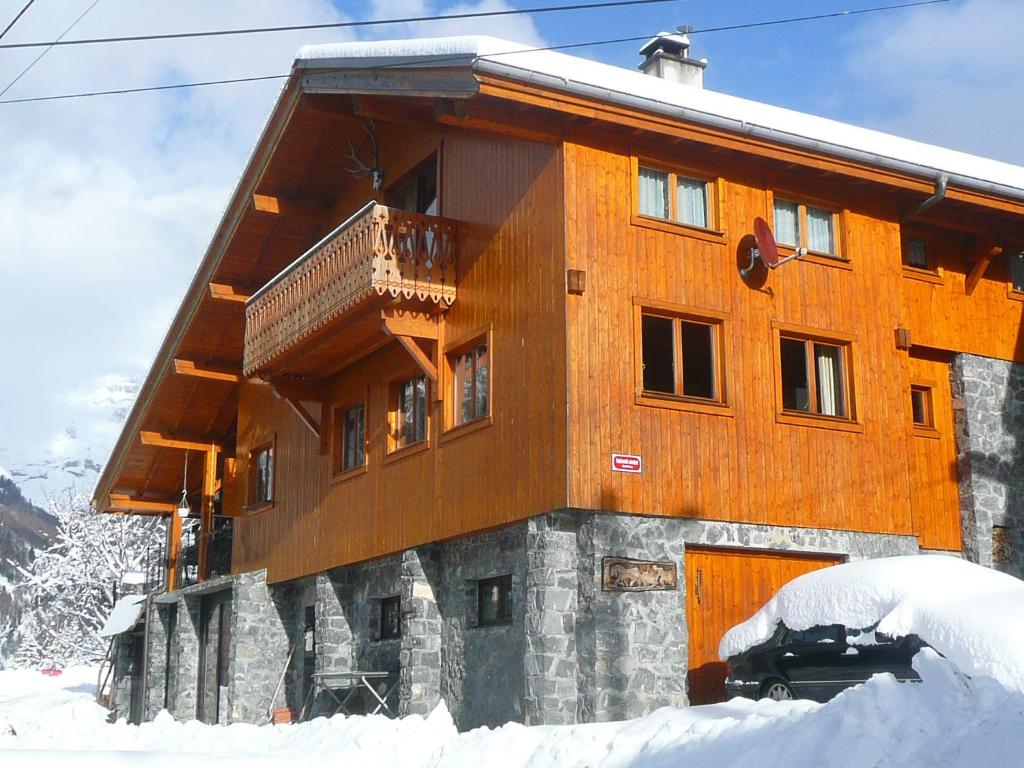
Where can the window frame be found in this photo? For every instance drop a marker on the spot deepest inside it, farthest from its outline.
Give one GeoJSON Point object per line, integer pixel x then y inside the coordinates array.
{"type": "Point", "coordinates": [933, 272]}
{"type": "Point", "coordinates": [388, 600]}
{"type": "Point", "coordinates": [803, 202]}
{"type": "Point", "coordinates": [1012, 250]}
{"type": "Point", "coordinates": [810, 336]}
{"type": "Point", "coordinates": [720, 405]}
{"type": "Point", "coordinates": [479, 337]}
{"type": "Point", "coordinates": [928, 429]}
{"type": "Point", "coordinates": [714, 194]}
{"type": "Point", "coordinates": [257, 505]}
{"type": "Point", "coordinates": [395, 448]}
{"type": "Point", "coordinates": [412, 176]}
{"type": "Point", "coordinates": [506, 603]}
{"type": "Point", "coordinates": [338, 469]}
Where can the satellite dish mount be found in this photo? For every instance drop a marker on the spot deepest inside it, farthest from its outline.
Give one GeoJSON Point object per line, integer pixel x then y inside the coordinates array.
{"type": "Point", "coordinates": [767, 251]}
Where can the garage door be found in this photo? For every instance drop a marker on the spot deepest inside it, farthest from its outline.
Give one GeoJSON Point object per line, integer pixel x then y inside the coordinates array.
{"type": "Point", "coordinates": [723, 588]}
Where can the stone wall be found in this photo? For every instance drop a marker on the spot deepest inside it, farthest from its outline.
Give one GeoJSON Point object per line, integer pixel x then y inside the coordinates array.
{"type": "Point", "coordinates": [420, 654]}
{"type": "Point", "coordinates": [158, 673]}
{"type": "Point", "coordinates": [187, 633]}
{"type": "Point", "coordinates": [989, 423]}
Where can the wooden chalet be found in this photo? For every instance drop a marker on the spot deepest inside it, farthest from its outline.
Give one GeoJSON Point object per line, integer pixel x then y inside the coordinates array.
{"type": "Point", "coordinates": [480, 320]}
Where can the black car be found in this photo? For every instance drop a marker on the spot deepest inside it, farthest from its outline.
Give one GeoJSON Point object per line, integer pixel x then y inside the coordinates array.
{"type": "Point", "coordinates": [818, 663]}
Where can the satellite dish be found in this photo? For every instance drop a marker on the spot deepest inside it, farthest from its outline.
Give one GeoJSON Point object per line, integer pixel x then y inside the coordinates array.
{"type": "Point", "coordinates": [766, 247]}
{"type": "Point", "coordinates": [766, 250]}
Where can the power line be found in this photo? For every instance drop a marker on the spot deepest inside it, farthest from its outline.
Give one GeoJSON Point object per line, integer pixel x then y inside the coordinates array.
{"type": "Point", "coordinates": [341, 24]}
{"type": "Point", "coordinates": [35, 61]}
{"type": "Point", "coordinates": [452, 58]}
{"type": "Point", "coordinates": [448, 17]}
{"type": "Point", "coordinates": [14, 19]}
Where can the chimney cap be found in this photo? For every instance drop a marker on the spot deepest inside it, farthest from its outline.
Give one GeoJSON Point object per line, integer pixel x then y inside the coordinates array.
{"type": "Point", "coordinates": [675, 43]}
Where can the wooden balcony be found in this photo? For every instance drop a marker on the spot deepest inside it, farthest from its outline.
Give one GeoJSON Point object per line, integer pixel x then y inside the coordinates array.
{"type": "Point", "coordinates": [380, 257]}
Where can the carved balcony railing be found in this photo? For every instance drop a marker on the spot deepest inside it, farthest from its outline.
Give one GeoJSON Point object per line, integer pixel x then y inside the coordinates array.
{"type": "Point", "coordinates": [378, 252]}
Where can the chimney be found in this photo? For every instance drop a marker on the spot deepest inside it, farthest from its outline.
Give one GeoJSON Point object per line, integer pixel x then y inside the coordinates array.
{"type": "Point", "coordinates": [665, 56]}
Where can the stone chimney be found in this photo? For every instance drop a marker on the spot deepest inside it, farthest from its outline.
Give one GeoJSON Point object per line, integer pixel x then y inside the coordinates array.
{"type": "Point", "coordinates": [665, 56]}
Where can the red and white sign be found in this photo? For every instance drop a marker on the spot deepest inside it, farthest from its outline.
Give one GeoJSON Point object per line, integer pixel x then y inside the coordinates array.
{"type": "Point", "coordinates": [627, 462]}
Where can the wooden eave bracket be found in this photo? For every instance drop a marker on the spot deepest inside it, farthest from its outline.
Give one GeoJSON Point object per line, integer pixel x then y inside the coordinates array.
{"type": "Point", "coordinates": [215, 372]}
{"type": "Point", "coordinates": [409, 326]}
{"type": "Point", "coordinates": [223, 292]}
{"type": "Point", "coordinates": [159, 440]}
{"type": "Point", "coordinates": [296, 392]}
{"type": "Point", "coordinates": [980, 256]}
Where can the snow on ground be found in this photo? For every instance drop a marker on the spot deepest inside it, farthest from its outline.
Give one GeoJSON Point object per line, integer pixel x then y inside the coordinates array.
{"type": "Point", "coordinates": [972, 615]}
{"type": "Point", "coordinates": [947, 720]}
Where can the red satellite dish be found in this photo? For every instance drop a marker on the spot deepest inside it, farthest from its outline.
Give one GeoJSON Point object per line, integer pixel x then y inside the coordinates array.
{"type": "Point", "coordinates": [766, 243]}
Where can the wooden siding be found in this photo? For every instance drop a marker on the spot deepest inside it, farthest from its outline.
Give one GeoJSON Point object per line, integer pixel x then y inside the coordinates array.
{"type": "Point", "coordinates": [740, 463]}
{"type": "Point", "coordinates": [724, 588]}
{"type": "Point", "coordinates": [506, 195]}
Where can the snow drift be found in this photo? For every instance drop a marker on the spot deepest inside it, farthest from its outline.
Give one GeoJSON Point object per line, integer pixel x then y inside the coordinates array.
{"type": "Point", "coordinates": [972, 615]}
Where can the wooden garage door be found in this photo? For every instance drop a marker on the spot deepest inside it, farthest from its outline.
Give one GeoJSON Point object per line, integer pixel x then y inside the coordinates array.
{"type": "Point", "coordinates": [723, 588]}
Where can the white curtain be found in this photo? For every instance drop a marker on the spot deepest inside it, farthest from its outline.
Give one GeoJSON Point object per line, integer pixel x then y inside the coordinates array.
{"type": "Point", "coordinates": [830, 380]}
{"type": "Point", "coordinates": [819, 231]}
{"type": "Point", "coordinates": [653, 193]}
{"type": "Point", "coordinates": [787, 223]}
{"type": "Point", "coordinates": [692, 201]}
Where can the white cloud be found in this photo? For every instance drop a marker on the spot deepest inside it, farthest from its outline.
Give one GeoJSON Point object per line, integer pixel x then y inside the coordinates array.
{"type": "Point", "coordinates": [948, 74]}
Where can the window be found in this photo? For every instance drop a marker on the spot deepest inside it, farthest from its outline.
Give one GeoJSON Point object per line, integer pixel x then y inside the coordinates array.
{"type": "Point", "coordinates": [680, 357]}
{"type": "Point", "coordinates": [671, 196]}
{"type": "Point", "coordinates": [494, 601]}
{"type": "Point", "coordinates": [261, 475]}
{"type": "Point", "coordinates": [1017, 270]}
{"type": "Point", "coordinates": [814, 377]}
{"type": "Point", "coordinates": [471, 381]}
{"type": "Point", "coordinates": [805, 226]}
{"type": "Point", "coordinates": [410, 412]}
{"type": "Point", "coordinates": [390, 617]}
{"type": "Point", "coordinates": [916, 254]}
{"type": "Point", "coordinates": [921, 405]}
{"type": "Point", "coordinates": [416, 192]}
{"type": "Point", "coordinates": [350, 431]}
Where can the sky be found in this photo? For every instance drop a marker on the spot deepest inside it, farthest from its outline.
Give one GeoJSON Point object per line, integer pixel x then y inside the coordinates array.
{"type": "Point", "coordinates": [107, 204]}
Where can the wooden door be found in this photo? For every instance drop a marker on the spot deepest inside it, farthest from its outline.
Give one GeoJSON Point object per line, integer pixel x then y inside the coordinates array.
{"type": "Point", "coordinates": [723, 588]}
{"type": "Point", "coordinates": [934, 489]}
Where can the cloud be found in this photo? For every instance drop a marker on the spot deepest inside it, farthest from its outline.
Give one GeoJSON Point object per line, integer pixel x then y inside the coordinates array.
{"type": "Point", "coordinates": [947, 74]}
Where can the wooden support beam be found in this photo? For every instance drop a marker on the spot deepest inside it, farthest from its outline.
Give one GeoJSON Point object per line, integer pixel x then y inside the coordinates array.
{"type": "Point", "coordinates": [419, 356]}
{"type": "Point", "coordinates": [126, 503]}
{"type": "Point", "coordinates": [215, 372]}
{"type": "Point", "coordinates": [173, 551]}
{"type": "Point", "coordinates": [305, 414]}
{"type": "Point", "coordinates": [418, 324]}
{"type": "Point", "coordinates": [266, 203]}
{"type": "Point", "coordinates": [224, 292]}
{"type": "Point", "coordinates": [206, 511]}
{"type": "Point", "coordinates": [980, 256]}
{"type": "Point", "coordinates": [173, 441]}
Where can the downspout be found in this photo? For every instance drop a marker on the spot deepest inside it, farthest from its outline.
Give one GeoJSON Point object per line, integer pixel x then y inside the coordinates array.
{"type": "Point", "coordinates": [939, 195]}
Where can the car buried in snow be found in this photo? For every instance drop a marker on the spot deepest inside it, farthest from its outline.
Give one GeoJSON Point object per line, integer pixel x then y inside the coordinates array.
{"type": "Point", "coordinates": [818, 663]}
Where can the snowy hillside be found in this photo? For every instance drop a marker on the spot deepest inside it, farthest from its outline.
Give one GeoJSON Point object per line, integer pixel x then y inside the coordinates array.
{"type": "Point", "coordinates": [947, 720]}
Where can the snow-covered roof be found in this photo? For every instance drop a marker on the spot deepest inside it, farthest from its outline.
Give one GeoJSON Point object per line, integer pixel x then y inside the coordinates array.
{"type": "Point", "coordinates": [124, 615]}
{"type": "Point", "coordinates": [972, 615]}
{"type": "Point", "coordinates": [617, 85]}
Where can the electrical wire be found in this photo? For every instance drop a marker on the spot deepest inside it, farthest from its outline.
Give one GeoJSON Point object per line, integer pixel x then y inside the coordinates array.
{"type": "Point", "coordinates": [15, 19]}
{"type": "Point", "coordinates": [451, 58]}
{"type": "Point", "coordinates": [448, 17]}
{"type": "Point", "coordinates": [45, 51]}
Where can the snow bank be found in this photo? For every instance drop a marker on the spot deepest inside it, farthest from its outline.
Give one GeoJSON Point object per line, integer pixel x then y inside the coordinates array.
{"type": "Point", "coordinates": [947, 721]}
{"type": "Point", "coordinates": [972, 615]}
{"type": "Point", "coordinates": [617, 83]}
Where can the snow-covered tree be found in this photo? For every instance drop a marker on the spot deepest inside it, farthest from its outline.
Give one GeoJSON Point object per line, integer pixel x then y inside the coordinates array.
{"type": "Point", "coordinates": [72, 584]}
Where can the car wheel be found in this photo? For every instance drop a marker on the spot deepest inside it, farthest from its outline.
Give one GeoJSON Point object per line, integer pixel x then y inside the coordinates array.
{"type": "Point", "coordinates": [776, 690]}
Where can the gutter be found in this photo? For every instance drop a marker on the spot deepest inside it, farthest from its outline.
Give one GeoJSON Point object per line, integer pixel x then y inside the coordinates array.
{"type": "Point", "coordinates": [742, 127]}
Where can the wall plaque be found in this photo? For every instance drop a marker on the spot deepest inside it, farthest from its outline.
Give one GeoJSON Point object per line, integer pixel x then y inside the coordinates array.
{"type": "Point", "coordinates": [622, 574]}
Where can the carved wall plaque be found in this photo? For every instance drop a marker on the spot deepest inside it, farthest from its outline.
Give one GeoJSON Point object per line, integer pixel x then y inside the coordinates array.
{"type": "Point", "coordinates": [622, 574]}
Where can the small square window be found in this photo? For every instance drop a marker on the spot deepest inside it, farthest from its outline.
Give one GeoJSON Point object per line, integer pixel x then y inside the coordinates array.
{"type": "Point", "coordinates": [351, 438]}
{"type": "Point", "coordinates": [409, 412]}
{"type": "Point", "coordinates": [261, 475]}
{"type": "Point", "coordinates": [390, 617]}
{"type": "Point", "coordinates": [680, 357]}
{"type": "Point", "coordinates": [921, 406]}
{"type": "Point", "coordinates": [1017, 270]}
{"type": "Point", "coordinates": [494, 601]}
{"type": "Point", "coordinates": [814, 377]}
{"type": "Point", "coordinates": [917, 254]}
{"type": "Point", "coordinates": [471, 381]}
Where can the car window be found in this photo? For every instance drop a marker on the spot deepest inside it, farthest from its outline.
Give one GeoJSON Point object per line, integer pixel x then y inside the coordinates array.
{"type": "Point", "coordinates": [832, 633]}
